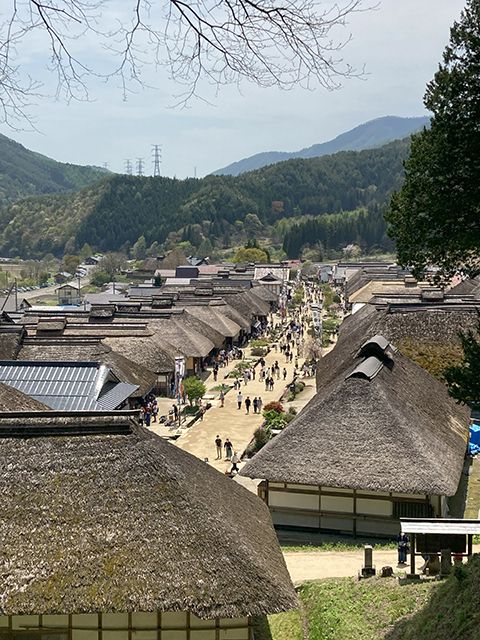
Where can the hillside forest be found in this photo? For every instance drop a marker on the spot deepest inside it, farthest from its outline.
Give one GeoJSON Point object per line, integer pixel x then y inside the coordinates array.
{"type": "Point", "coordinates": [311, 208]}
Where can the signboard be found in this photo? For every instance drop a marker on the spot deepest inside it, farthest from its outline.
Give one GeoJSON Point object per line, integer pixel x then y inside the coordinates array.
{"type": "Point", "coordinates": [317, 318]}
{"type": "Point", "coordinates": [435, 542]}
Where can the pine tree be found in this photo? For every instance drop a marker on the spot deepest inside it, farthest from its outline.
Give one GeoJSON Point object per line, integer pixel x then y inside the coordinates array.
{"type": "Point", "coordinates": [435, 217]}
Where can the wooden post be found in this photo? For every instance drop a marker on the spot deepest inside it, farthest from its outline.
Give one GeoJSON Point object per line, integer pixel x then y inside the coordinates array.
{"type": "Point", "coordinates": [412, 555]}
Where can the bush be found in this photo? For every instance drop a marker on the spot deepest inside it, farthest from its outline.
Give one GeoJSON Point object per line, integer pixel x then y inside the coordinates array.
{"type": "Point", "coordinates": [260, 438]}
{"type": "Point", "coordinates": [259, 352]}
{"type": "Point", "coordinates": [292, 411]}
{"type": "Point", "coordinates": [273, 406]}
{"type": "Point", "coordinates": [241, 366]}
{"type": "Point", "coordinates": [260, 342]}
{"type": "Point", "coordinates": [194, 388]}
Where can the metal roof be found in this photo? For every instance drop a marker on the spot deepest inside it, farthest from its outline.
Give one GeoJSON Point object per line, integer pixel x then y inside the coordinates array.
{"type": "Point", "coordinates": [452, 526]}
{"type": "Point", "coordinates": [367, 369]}
{"type": "Point", "coordinates": [68, 386]}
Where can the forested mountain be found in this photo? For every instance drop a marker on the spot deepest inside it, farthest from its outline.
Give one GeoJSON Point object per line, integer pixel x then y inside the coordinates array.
{"type": "Point", "coordinates": [216, 211]}
{"type": "Point", "coordinates": [373, 133]}
{"type": "Point", "coordinates": [24, 173]}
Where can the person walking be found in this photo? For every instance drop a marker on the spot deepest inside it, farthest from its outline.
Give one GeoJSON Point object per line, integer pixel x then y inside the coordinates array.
{"type": "Point", "coordinates": [248, 402]}
{"type": "Point", "coordinates": [255, 405]}
{"type": "Point", "coordinates": [239, 400]}
{"type": "Point", "coordinates": [218, 445]}
{"type": "Point", "coordinates": [259, 404]}
{"type": "Point", "coordinates": [221, 397]}
{"type": "Point", "coordinates": [228, 449]}
{"type": "Point", "coordinates": [201, 413]}
{"type": "Point", "coordinates": [284, 373]}
{"type": "Point", "coordinates": [235, 461]}
{"type": "Point", "coordinates": [215, 373]}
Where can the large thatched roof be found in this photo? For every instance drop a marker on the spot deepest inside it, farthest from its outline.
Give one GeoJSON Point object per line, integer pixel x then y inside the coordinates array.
{"type": "Point", "coordinates": [210, 316]}
{"type": "Point", "coordinates": [399, 431]}
{"type": "Point", "coordinates": [98, 514]}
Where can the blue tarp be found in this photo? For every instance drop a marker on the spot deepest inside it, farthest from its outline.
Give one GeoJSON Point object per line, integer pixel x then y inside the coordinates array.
{"type": "Point", "coordinates": [474, 442]}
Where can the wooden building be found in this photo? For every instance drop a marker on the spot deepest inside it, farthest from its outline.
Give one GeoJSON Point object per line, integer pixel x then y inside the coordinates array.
{"type": "Point", "coordinates": [381, 440]}
{"type": "Point", "coordinates": [110, 533]}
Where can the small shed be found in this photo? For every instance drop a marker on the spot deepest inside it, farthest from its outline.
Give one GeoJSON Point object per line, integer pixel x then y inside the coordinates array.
{"type": "Point", "coordinates": [432, 535]}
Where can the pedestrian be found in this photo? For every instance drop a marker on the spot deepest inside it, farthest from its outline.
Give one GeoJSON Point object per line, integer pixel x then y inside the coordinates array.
{"type": "Point", "coordinates": [255, 405]}
{"type": "Point", "coordinates": [215, 373]}
{"type": "Point", "coordinates": [175, 411]}
{"type": "Point", "coordinates": [228, 449]}
{"type": "Point", "coordinates": [248, 402]}
{"type": "Point", "coordinates": [272, 382]}
{"type": "Point", "coordinates": [402, 547]}
{"type": "Point", "coordinates": [235, 461]}
{"type": "Point", "coordinates": [201, 413]}
{"type": "Point", "coordinates": [148, 415]}
{"type": "Point", "coordinates": [239, 400]}
{"type": "Point", "coordinates": [284, 373]}
{"type": "Point", "coordinates": [253, 373]}
{"type": "Point", "coordinates": [245, 377]}
{"type": "Point", "coordinates": [155, 411]}
{"type": "Point", "coordinates": [260, 404]}
{"type": "Point", "coordinates": [267, 383]}
{"type": "Point", "coordinates": [141, 416]}
{"type": "Point", "coordinates": [222, 398]}
{"type": "Point", "coordinates": [218, 445]}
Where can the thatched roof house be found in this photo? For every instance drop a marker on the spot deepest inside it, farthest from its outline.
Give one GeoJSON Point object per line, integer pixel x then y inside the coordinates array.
{"type": "Point", "coordinates": [380, 427]}
{"type": "Point", "coordinates": [124, 522]}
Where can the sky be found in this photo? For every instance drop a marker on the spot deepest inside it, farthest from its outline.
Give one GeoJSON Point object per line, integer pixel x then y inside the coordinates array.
{"type": "Point", "coordinates": [400, 43]}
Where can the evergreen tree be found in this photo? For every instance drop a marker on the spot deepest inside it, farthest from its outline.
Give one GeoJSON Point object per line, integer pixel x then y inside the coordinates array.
{"type": "Point", "coordinates": [464, 380]}
{"type": "Point", "coordinates": [435, 217]}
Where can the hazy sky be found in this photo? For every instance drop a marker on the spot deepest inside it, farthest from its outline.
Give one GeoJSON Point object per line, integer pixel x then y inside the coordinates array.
{"type": "Point", "coordinates": [400, 43]}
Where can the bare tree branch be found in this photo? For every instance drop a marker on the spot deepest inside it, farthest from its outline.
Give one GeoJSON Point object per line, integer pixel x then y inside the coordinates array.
{"type": "Point", "coordinates": [269, 42]}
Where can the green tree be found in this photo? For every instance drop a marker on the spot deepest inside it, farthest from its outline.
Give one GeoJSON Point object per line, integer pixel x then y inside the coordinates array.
{"type": "Point", "coordinates": [194, 388]}
{"type": "Point", "coordinates": [250, 255]}
{"type": "Point", "coordinates": [111, 263]}
{"type": "Point", "coordinates": [435, 217]}
{"type": "Point", "coordinates": [139, 249]}
{"type": "Point", "coordinates": [463, 380]}
{"type": "Point", "coordinates": [86, 251]}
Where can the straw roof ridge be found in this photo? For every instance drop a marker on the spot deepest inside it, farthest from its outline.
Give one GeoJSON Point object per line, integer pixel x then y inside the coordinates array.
{"type": "Point", "coordinates": [130, 523]}
{"type": "Point", "coordinates": [209, 314]}
{"type": "Point", "coordinates": [399, 431]}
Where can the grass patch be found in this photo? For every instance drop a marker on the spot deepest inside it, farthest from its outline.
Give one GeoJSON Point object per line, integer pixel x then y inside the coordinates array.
{"type": "Point", "coordinates": [472, 506]}
{"type": "Point", "coordinates": [279, 626]}
{"type": "Point", "coordinates": [348, 609]}
{"type": "Point", "coordinates": [222, 387]}
{"type": "Point", "coordinates": [337, 546]}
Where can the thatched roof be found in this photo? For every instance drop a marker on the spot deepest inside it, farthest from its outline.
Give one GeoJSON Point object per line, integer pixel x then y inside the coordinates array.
{"type": "Point", "coordinates": [98, 514]}
{"type": "Point", "coordinates": [426, 334]}
{"type": "Point", "coordinates": [150, 353]}
{"type": "Point", "coordinates": [178, 332]}
{"type": "Point", "coordinates": [398, 431]}
{"type": "Point", "coordinates": [228, 311]}
{"type": "Point", "coordinates": [469, 287]}
{"type": "Point", "coordinates": [13, 400]}
{"type": "Point", "coordinates": [247, 304]}
{"type": "Point", "coordinates": [265, 293]}
{"type": "Point", "coordinates": [210, 315]}
{"type": "Point", "coordinates": [10, 341]}
{"type": "Point", "coordinates": [61, 349]}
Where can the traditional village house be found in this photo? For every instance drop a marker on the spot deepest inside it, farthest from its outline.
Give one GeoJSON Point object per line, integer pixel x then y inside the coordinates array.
{"type": "Point", "coordinates": [382, 439]}
{"type": "Point", "coordinates": [111, 533]}
{"type": "Point", "coordinates": [68, 294]}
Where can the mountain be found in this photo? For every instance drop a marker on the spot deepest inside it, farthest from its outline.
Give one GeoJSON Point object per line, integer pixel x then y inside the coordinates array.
{"type": "Point", "coordinates": [24, 173]}
{"type": "Point", "coordinates": [217, 211]}
{"type": "Point", "coordinates": [374, 133]}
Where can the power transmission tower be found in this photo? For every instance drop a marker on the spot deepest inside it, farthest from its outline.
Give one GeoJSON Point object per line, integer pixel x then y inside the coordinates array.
{"type": "Point", "coordinates": [157, 158]}
{"type": "Point", "coordinates": [139, 166]}
{"type": "Point", "coordinates": [128, 167]}
{"type": "Point", "coordinates": [105, 165]}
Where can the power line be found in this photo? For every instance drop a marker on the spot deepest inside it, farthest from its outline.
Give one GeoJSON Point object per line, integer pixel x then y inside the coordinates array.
{"type": "Point", "coordinates": [157, 158]}
{"type": "Point", "coordinates": [140, 164]}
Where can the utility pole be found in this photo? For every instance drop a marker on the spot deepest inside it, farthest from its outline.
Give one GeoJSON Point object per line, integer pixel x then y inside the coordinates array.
{"type": "Point", "coordinates": [157, 158]}
{"type": "Point", "coordinates": [128, 167]}
{"type": "Point", "coordinates": [139, 166]}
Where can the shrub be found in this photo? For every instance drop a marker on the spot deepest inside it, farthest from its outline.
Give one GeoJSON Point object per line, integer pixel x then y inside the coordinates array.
{"type": "Point", "coordinates": [259, 352]}
{"type": "Point", "coordinates": [292, 411]}
{"type": "Point", "coordinates": [194, 388]}
{"type": "Point", "coordinates": [273, 406]}
{"type": "Point", "coordinates": [260, 437]}
{"type": "Point", "coordinates": [259, 342]}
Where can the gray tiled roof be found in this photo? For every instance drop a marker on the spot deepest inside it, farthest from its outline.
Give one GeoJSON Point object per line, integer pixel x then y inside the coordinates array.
{"type": "Point", "coordinates": [70, 386]}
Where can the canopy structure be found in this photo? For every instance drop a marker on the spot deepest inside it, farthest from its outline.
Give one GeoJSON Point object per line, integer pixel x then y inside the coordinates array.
{"type": "Point", "coordinates": [430, 536]}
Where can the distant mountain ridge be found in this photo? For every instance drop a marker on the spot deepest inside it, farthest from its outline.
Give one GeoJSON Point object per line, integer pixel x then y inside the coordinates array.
{"type": "Point", "coordinates": [27, 173]}
{"type": "Point", "coordinates": [368, 135]}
